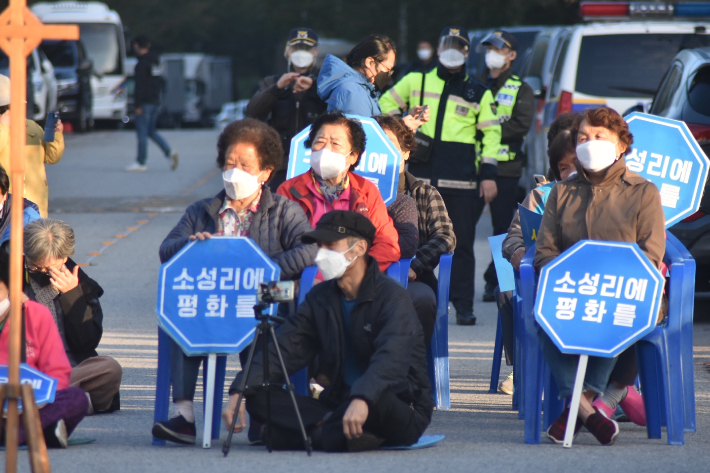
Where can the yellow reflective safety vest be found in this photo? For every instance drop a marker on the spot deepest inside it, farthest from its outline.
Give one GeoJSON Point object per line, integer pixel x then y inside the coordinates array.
{"type": "Point", "coordinates": [505, 101]}
{"type": "Point", "coordinates": [462, 120]}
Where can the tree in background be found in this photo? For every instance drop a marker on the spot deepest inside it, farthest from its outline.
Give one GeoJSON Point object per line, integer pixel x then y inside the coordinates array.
{"type": "Point", "coordinates": [253, 32]}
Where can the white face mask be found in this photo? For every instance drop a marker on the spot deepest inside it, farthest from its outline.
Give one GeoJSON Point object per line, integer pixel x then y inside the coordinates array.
{"type": "Point", "coordinates": [494, 60]}
{"type": "Point", "coordinates": [302, 58]}
{"type": "Point", "coordinates": [596, 155]}
{"type": "Point", "coordinates": [424, 54]}
{"type": "Point", "coordinates": [452, 58]}
{"type": "Point", "coordinates": [328, 164]}
{"type": "Point", "coordinates": [4, 305]}
{"type": "Point", "coordinates": [332, 264]}
{"type": "Point", "coordinates": [239, 184]}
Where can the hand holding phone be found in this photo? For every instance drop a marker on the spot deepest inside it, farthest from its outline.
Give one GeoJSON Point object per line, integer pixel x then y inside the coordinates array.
{"type": "Point", "coordinates": [49, 126]}
{"type": "Point", "coordinates": [421, 114]}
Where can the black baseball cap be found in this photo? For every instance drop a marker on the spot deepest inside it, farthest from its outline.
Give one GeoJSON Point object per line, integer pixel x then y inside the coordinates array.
{"type": "Point", "coordinates": [303, 36]}
{"type": "Point", "coordinates": [339, 224]}
{"type": "Point", "coordinates": [457, 32]}
{"type": "Point", "coordinates": [500, 39]}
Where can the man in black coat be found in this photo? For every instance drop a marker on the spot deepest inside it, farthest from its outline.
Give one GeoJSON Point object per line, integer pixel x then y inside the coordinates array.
{"type": "Point", "coordinates": [146, 98]}
{"type": "Point", "coordinates": [362, 329]}
{"type": "Point", "coordinates": [289, 102]}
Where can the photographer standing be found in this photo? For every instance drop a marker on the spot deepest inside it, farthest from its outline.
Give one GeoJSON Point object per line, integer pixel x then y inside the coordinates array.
{"type": "Point", "coordinates": [289, 102]}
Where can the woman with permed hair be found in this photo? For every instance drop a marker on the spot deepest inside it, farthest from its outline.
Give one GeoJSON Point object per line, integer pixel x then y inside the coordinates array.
{"type": "Point", "coordinates": [248, 152]}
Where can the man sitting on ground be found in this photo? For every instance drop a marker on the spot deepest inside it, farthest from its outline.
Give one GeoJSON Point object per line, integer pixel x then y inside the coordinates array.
{"type": "Point", "coordinates": [362, 327]}
{"type": "Point", "coordinates": [55, 281]}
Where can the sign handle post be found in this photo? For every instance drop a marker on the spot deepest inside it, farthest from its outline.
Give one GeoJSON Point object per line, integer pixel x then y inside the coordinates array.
{"type": "Point", "coordinates": [576, 395]}
{"type": "Point", "coordinates": [209, 400]}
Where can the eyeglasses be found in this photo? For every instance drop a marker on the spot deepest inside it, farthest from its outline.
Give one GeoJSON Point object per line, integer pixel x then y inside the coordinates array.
{"type": "Point", "coordinates": [389, 72]}
{"type": "Point", "coordinates": [33, 269]}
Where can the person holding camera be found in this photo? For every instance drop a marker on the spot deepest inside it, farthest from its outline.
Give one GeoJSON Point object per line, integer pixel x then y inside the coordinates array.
{"type": "Point", "coordinates": [290, 102]}
{"type": "Point", "coordinates": [363, 329]}
{"type": "Point", "coordinates": [248, 152]}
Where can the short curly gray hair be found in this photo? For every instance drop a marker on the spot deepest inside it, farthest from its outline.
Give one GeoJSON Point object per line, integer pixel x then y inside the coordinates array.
{"type": "Point", "coordinates": [48, 237]}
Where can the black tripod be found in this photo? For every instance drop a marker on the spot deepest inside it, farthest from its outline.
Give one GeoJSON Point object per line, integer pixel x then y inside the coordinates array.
{"type": "Point", "coordinates": [263, 328]}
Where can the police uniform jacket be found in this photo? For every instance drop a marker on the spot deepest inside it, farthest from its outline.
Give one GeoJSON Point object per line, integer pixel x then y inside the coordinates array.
{"type": "Point", "coordinates": [515, 106]}
{"type": "Point", "coordinates": [286, 112]}
{"type": "Point", "coordinates": [462, 118]}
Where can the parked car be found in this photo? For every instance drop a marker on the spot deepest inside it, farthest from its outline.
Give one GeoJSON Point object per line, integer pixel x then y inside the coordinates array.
{"type": "Point", "coordinates": [537, 71]}
{"type": "Point", "coordinates": [231, 111]}
{"type": "Point", "coordinates": [684, 94]}
{"type": "Point", "coordinates": [41, 84]}
{"type": "Point", "coordinates": [73, 70]}
{"type": "Point", "coordinates": [618, 64]}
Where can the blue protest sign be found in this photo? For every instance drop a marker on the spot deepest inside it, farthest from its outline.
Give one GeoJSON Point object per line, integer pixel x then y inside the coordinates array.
{"type": "Point", "coordinates": [207, 293]}
{"type": "Point", "coordinates": [379, 162]}
{"type": "Point", "coordinates": [598, 297]}
{"type": "Point", "coordinates": [666, 153]}
{"type": "Point", "coordinates": [43, 386]}
{"type": "Point", "coordinates": [530, 225]}
{"type": "Point", "coordinates": [504, 270]}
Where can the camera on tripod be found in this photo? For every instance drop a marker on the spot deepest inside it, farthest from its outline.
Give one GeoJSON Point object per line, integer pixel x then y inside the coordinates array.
{"type": "Point", "coordinates": [276, 291]}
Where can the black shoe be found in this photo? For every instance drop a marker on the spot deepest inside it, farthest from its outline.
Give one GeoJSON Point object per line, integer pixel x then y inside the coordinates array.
{"type": "Point", "coordinates": [254, 432]}
{"type": "Point", "coordinates": [282, 439]}
{"type": "Point", "coordinates": [488, 293]}
{"type": "Point", "coordinates": [115, 405]}
{"type": "Point", "coordinates": [177, 430]}
{"type": "Point", "coordinates": [55, 435]}
{"type": "Point", "coordinates": [465, 318]}
{"type": "Point", "coordinates": [365, 442]}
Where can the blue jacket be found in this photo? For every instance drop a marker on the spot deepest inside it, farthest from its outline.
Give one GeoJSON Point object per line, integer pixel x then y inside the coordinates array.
{"type": "Point", "coordinates": [30, 213]}
{"type": "Point", "coordinates": [345, 89]}
{"type": "Point", "coordinates": [277, 229]}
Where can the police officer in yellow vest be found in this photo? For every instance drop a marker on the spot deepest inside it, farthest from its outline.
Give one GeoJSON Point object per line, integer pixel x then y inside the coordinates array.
{"type": "Point", "coordinates": [514, 103]}
{"type": "Point", "coordinates": [462, 115]}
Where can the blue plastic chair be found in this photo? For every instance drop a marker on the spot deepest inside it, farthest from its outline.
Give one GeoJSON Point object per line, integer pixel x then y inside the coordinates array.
{"type": "Point", "coordinates": [399, 270]}
{"type": "Point", "coordinates": [497, 355]}
{"type": "Point", "coordinates": [686, 328]}
{"type": "Point", "coordinates": [438, 351]}
{"type": "Point", "coordinates": [162, 386]}
{"type": "Point", "coordinates": [663, 357]}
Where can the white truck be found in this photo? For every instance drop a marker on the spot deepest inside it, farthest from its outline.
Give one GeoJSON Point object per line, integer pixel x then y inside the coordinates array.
{"type": "Point", "coordinates": [101, 32]}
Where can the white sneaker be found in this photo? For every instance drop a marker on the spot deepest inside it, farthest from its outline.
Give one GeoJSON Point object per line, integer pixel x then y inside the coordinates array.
{"type": "Point", "coordinates": [56, 436]}
{"type": "Point", "coordinates": [137, 167]}
{"type": "Point", "coordinates": [173, 158]}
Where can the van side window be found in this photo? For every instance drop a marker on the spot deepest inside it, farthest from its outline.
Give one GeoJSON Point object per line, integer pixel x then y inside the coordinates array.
{"type": "Point", "coordinates": [667, 89]}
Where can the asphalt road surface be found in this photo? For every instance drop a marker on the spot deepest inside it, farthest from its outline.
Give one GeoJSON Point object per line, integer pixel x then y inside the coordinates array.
{"type": "Point", "coordinates": [124, 217]}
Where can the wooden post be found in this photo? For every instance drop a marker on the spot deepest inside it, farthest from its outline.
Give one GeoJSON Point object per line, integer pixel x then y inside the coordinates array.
{"type": "Point", "coordinates": [20, 33]}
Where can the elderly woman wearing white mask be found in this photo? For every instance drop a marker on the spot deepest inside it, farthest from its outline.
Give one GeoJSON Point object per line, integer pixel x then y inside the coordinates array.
{"type": "Point", "coordinates": [603, 201]}
{"type": "Point", "coordinates": [248, 151]}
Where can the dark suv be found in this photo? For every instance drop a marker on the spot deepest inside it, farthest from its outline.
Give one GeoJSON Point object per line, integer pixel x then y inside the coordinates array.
{"type": "Point", "coordinates": [684, 94]}
{"type": "Point", "coordinates": [73, 70]}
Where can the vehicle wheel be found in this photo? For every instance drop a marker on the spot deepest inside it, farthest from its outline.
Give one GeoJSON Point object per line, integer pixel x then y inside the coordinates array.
{"type": "Point", "coordinates": [82, 124]}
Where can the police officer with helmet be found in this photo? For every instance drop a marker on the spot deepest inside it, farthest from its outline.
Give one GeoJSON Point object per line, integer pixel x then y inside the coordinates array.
{"type": "Point", "coordinates": [462, 119]}
{"type": "Point", "coordinates": [515, 107]}
{"type": "Point", "coordinates": [289, 102]}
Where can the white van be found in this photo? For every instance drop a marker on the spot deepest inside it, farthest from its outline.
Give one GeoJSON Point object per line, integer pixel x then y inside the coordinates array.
{"type": "Point", "coordinates": [102, 35]}
{"type": "Point", "coordinates": [615, 63]}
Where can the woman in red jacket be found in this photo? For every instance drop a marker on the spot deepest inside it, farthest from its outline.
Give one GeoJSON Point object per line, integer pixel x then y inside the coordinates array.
{"type": "Point", "coordinates": [337, 143]}
{"type": "Point", "coordinates": [44, 352]}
